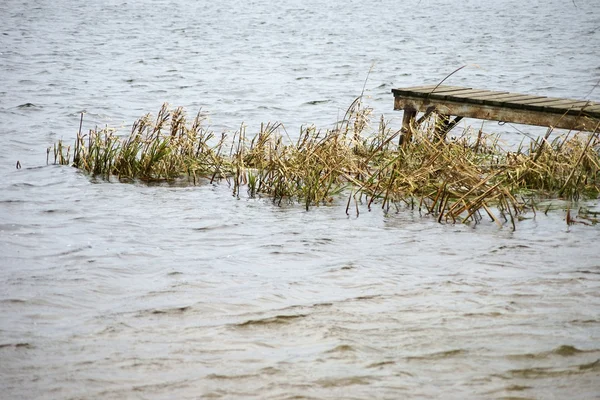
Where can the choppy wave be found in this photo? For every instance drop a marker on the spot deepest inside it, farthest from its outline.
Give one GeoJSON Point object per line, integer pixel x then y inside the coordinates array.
{"type": "Point", "coordinates": [112, 291]}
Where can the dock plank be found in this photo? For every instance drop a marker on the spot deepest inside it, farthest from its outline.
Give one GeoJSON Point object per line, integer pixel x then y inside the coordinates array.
{"type": "Point", "coordinates": [571, 104]}
{"type": "Point", "coordinates": [466, 93]}
{"type": "Point", "coordinates": [490, 95]}
{"type": "Point", "coordinates": [592, 108]}
{"type": "Point", "coordinates": [512, 101]}
{"type": "Point", "coordinates": [428, 90]}
{"type": "Point", "coordinates": [532, 101]}
{"type": "Point", "coordinates": [500, 106]}
{"type": "Point", "coordinates": [500, 96]}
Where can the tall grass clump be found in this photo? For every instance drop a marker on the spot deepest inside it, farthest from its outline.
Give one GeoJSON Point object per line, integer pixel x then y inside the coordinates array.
{"type": "Point", "coordinates": [162, 148]}
{"type": "Point", "coordinates": [464, 178]}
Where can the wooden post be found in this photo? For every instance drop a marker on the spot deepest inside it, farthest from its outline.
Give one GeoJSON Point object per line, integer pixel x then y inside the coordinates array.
{"type": "Point", "coordinates": [407, 122]}
{"type": "Point", "coordinates": [430, 110]}
{"type": "Point", "coordinates": [452, 124]}
{"type": "Point", "coordinates": [445, 125]}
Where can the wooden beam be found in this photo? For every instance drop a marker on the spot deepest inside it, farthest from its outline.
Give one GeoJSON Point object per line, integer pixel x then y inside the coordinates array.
{"type": "Point", "coordinates": [426, 114]}
{"type": "Point", "coordinates": [559, 103]}
{"type": "Point", "coordinates": [499, 113]}
{"type": "Point", "coordinates": [592, 109]}
{"type": "Point", "coordinates": [407, 122]}
{"type": "Point", "coordinates": [425, 91]}
{"type": "Point", "coordinates": [532, 100]}
{"type": "Point", "coordinates": [446, 126]}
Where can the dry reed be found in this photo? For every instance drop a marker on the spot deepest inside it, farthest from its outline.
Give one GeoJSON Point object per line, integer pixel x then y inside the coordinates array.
{"type": "Point", "coordinates": [459, 179]}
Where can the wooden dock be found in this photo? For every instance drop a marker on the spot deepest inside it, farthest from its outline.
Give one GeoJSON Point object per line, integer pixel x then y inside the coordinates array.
{"type": "Point", "coordinates": [463, 102]}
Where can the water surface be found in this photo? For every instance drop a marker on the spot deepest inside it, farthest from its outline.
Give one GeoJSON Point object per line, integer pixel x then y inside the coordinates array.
{"type": "Point", "coordinates": [112, 290]}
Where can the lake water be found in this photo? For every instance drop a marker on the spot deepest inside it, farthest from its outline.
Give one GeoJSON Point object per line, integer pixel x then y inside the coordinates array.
{"type": "Point", "coordinates": [114, 291]}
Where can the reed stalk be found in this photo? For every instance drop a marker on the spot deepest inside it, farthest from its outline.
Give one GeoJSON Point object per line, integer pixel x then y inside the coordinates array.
{"type": "Point", "coordinates": [458, 179]}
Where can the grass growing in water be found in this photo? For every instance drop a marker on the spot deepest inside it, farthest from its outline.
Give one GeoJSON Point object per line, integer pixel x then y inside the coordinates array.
{"type": "Point", "coordinates": [462, 179]}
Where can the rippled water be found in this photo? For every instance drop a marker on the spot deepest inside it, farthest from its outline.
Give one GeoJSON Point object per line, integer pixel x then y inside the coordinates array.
{"type": "Point", "coordinates": [112, 290]}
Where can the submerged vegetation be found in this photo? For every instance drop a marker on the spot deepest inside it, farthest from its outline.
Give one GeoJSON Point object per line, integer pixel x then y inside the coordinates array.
{"type": "Point", "coordinates": [460, 179]}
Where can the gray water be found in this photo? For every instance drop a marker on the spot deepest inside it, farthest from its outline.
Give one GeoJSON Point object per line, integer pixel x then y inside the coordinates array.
{"type": "Point", "coordinates": [114, 291]}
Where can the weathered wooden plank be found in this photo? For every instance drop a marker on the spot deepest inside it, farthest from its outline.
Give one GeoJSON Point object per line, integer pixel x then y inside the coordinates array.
{"type": "Point", "coordinates": [531, 101]}
{"type": "Point", "coordinates": [461, 92]}
{"type": "Point", "coordinates": [505, 95]}
{"type": "Point", "coordinates": [464, 94]}
{"type": "Point", "coordinates": [416, 88]}
{"type": "Point", "coordinates": [498, 99]}
{"type": "Point", "coordinates": [555, 106]}
{"type": "Point", "coordinates": [422, 88]}
{"type": "Point", "coordinates": [500, 113]}
{"type": "Point", "coordinates": [440, 88]}
{"type": "Point", "coordinates": [446, 90]}
{"type": "Point", "coordinates": [421, 91]}
{"type": "Point", "coordinates": [510, 96]}
{"type": "Point", "coordinates": [498, 106]}
{"type": "Point", "coordinates": [491, 94]}
{"type": "Point", "coordinates": [562, 103]}
{"type": "Point", "coordinates": [592, 109]}
{"type": "Point", "coordinates": [509, 102]}
{"type": "Point", "coordinates": [516, 97]}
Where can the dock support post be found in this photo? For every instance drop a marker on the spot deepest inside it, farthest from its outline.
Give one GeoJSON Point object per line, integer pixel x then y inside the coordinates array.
{"type": "Point", "coordinates": [407, 121]}
{"type": "Point", "coordinates": [430, 110]}
{"type": "Point", "coordinates": [445, 125]}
